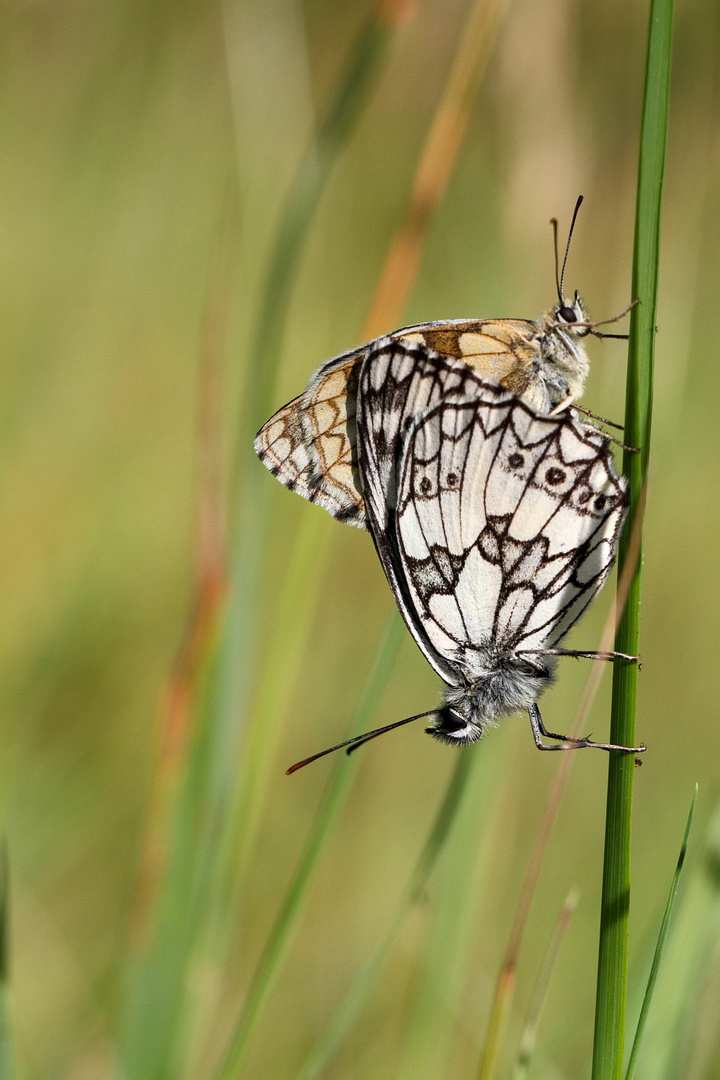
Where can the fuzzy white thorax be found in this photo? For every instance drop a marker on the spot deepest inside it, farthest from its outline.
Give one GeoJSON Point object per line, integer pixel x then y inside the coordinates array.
{"type": "Point", "coordinates": [501, 685]}
{"type": "Point", "coordinates": [565, 363]}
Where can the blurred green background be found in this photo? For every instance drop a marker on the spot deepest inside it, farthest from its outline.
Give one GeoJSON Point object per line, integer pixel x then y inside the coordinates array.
{"type": "Point", "coordinates": [133, 136]}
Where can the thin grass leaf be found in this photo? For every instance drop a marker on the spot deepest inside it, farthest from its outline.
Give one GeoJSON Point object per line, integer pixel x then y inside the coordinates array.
{"type": "Point", "coordinates": [286, 921]}
{"type": "Point", "coordinates": [361, 74]}
{"type": "Point", "coordinates": [299, 592]}
{"type": "Point", "coordinates": [613, 945]}
{"type": "Point", "coordinates": [247, 543]}
{"type": "Point", "coordinates": [247, 540]}
{"type": "Point", "coordinates": [350, 1009]}
{"type": "Point", "coordinates": [660, 947]}
{"type": "Point", "coordinates": [238, 657]}
{"type": "Point", "coordinates": [463, 883]}
{"type": "Point", "coordinates": [298, 595]}
{"type": "Point", "coordinates": [529, 1035]}
{"type": "Point", "coordinates": [7, 1066]}
{"type": "Point", "coordinates": [682, 1030]}
{"type": "Point", "coordinates": [158, 1028]}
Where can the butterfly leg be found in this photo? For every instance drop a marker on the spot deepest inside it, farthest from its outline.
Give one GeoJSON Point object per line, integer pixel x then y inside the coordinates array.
{"type": "Point", "coordinates": [583, 654]}
{"type": "Point", "coordinates": [630, 449]}
{"type": "Point", "coordinates": [596, 427]}
{"type": "Point", "coordinates": [594, 416]}
{"type": "Point", "coordinates": [539, 730]}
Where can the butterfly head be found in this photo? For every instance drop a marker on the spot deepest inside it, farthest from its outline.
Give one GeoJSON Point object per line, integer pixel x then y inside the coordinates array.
{"type": "Point", "coordinates": [455, 729]}
{"type": "Point", "coordinates": [572, 316]}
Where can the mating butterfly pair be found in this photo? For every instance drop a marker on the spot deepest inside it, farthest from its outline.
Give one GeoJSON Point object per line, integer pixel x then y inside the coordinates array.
{"type": "Point", "coordinates": [495, 513]}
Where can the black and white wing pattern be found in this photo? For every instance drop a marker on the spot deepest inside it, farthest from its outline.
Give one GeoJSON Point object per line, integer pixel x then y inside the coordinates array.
{"type": "Point", "coordinates": [505, 528]}
{"type": "Point", "coordinates": [400, 382]}
{"type": "Point", "coordinates": [495, 524]}
{"type": "Point", "coordinates": [309, 444]}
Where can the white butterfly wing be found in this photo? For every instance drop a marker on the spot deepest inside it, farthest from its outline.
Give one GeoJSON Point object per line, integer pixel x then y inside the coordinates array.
{"type": "Point", "coordinates": [453, 584]}
{"type": "Point", "coordinates": [568, 520]}
{"type": "Point", "coordinates": [399, 382]}
{"type": "Point", "coordinates": [310, 444]}
{"type": "Point", "coordinates": [505, 528]}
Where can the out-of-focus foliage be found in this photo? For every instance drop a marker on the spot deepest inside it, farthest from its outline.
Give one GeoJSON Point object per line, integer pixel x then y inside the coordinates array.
{"type": "Point", "coordinates": [123, 128]}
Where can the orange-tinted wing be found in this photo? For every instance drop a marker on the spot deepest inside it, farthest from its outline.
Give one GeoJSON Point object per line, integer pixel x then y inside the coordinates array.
{"type": "Point", "coordinates": [506, 351]}
{"type": "Point", "coordinates": [309, 444]}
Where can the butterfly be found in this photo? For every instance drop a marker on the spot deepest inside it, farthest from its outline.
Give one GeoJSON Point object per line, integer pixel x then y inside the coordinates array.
{"type": "Point", "coordinates": [310, 444]}
{"type": "Point", "coordinates": [496, 525]}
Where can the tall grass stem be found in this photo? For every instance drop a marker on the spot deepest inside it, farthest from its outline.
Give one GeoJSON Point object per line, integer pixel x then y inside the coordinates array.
{"type": "Point", "coordinates": [610, 1009]}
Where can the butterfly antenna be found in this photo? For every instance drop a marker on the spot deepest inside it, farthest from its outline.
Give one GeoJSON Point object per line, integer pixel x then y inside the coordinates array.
{"type": "Point", "coordinates": [352, 744]}
{"type": "Point", "coordinates": [554, 223]}
{"type": "Point", "coordinates": [561, 283]}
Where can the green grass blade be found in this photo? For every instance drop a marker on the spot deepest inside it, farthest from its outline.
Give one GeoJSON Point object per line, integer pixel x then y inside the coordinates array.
{"type": "Point", "coordinates": [280, 936]}
{"type": "Point", "coordinates": [248, 529]}
{"type": "Point", "coordinates": [354, 1002]}
{"type": "Point", "coordinates": [308, 185]}
{"type": "Point", "coordinates": [660, 947]}
{"type": "Point", "coordinates": [237, 665]}
{"type": "Point", "coordinates": [247, 545]}
{"type": "Point", "coordinates": [449, 961]}
{"type": "Point", "coordinates": [682, 1031]}
{"type": "Point", "coordinates": [612, 958]}
{"type": "Point", "coordinates": [155, 1030]}
{"type": "Point", "coordinates": [6, 1045]}
{"type": "Point", "coordinates": [529, 1035]}
{"type": "Point", "coordinates": [293, 622]}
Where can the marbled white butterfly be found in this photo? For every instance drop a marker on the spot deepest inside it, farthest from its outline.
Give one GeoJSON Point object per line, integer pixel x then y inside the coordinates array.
{"type": "Point", "coordinates": [310, 443]}
{"type": "Point", "coordinates": [496, 525]}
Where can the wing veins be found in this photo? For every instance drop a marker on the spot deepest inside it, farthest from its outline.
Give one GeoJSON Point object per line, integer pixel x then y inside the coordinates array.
{"type": "Point", "coordinates": [433, 556]}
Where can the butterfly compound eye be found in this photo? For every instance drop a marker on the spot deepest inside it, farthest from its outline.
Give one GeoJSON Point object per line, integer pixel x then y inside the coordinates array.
{"type": "Point", "coordinates": [567, 314]}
